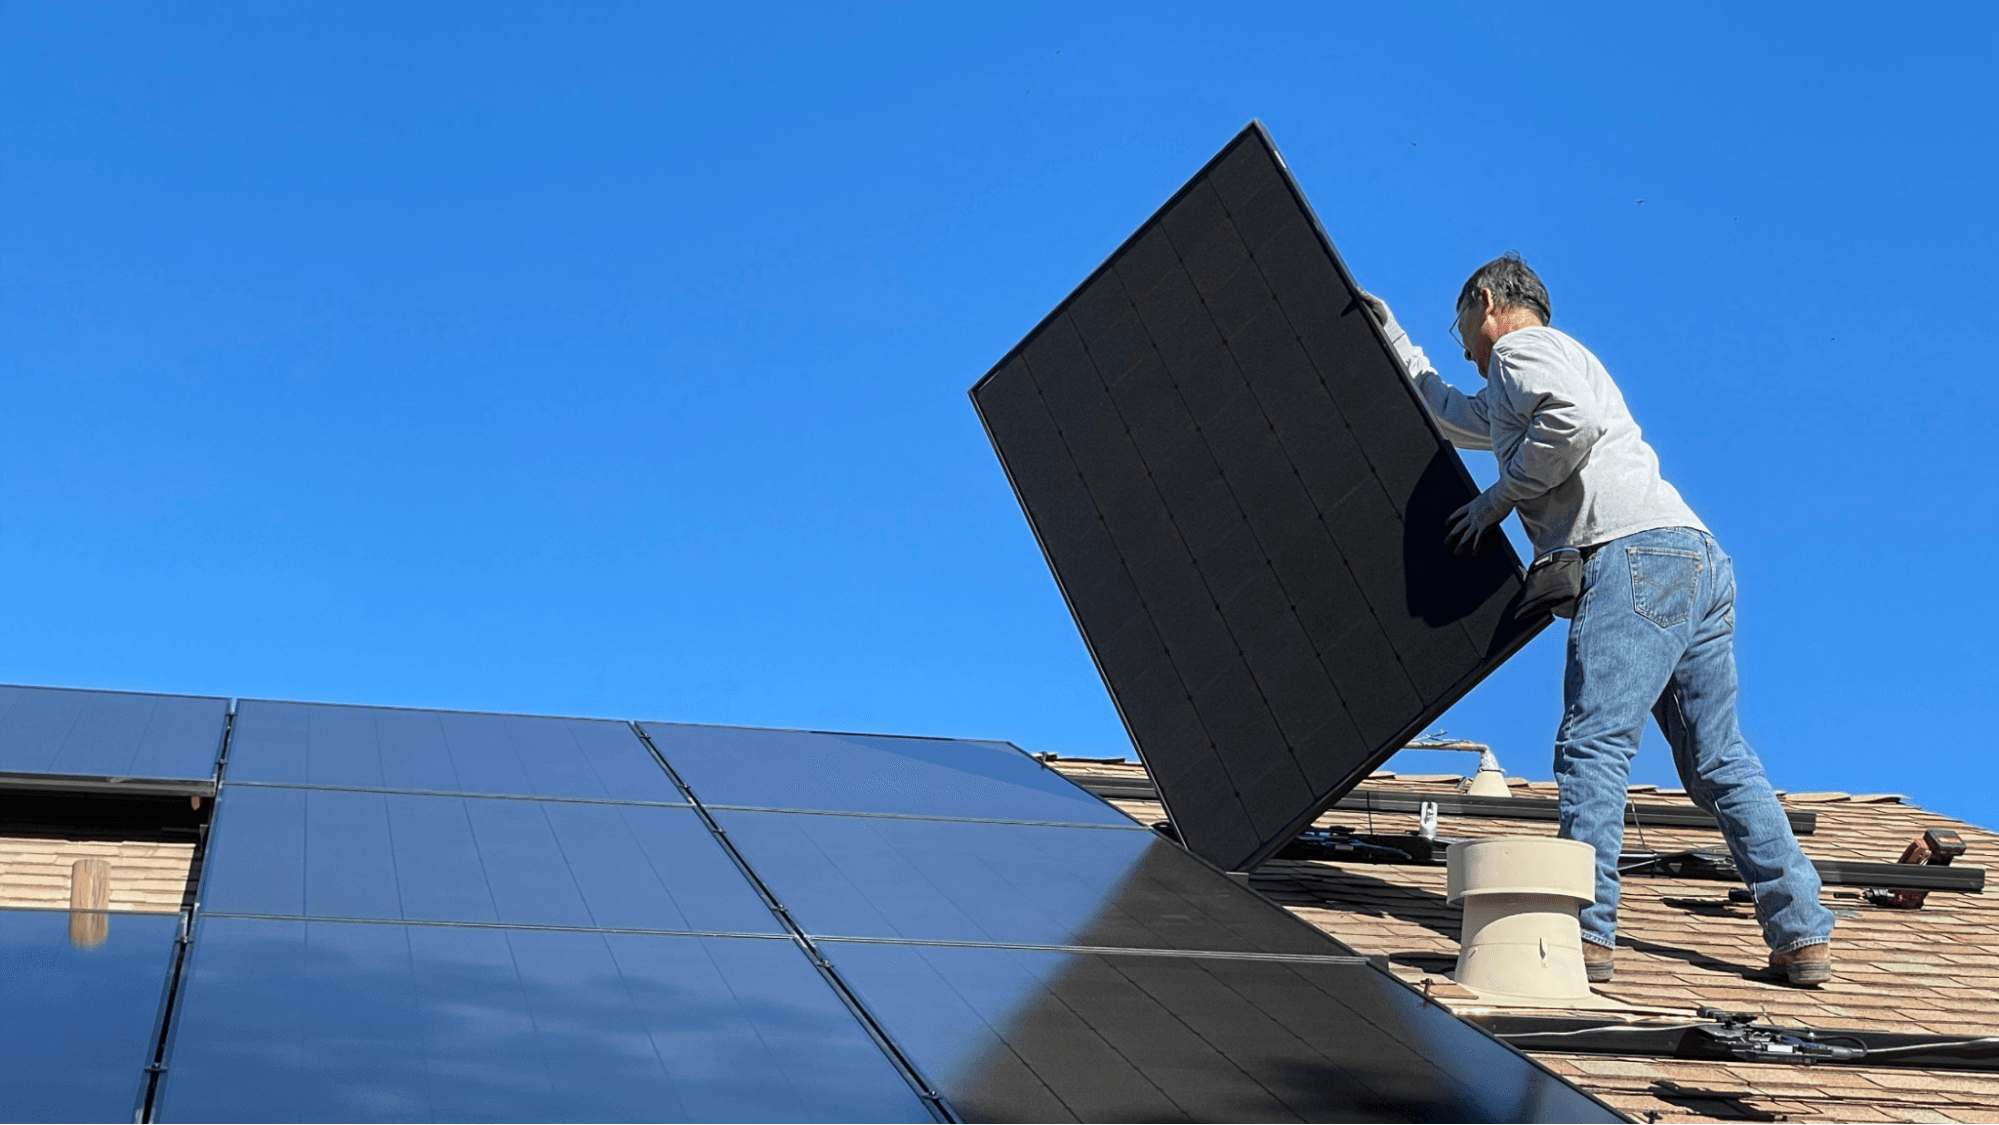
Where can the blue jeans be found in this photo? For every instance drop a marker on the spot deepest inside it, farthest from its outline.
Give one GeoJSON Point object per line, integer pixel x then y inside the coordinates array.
{"type": "Point", "coordinates": [1655, 631]}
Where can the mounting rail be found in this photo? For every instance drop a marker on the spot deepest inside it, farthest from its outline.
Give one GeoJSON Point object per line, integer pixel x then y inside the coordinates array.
{"type": "Point", "coordinates": [1459, 804]}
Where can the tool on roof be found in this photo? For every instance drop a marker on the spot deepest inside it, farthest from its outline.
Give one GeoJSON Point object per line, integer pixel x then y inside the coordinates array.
{"type": "Point", "coordinates": [1934, 848]}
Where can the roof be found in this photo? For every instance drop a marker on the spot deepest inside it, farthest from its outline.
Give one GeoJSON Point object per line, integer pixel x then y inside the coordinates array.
{"type": "Point", "coordinates": [445, 870]}
{"type": "Point", "coordinates": [1682, 944]}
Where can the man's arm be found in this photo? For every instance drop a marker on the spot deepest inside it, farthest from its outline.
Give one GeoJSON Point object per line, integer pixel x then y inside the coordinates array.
{"type": "Point", "coordinates": [1540, 380]}
{"type": "Point", "coordinates": [1465, 419]}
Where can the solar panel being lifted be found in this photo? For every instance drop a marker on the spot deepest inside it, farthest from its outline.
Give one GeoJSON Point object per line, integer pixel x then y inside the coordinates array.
{"type": "Point", "coordinates": [1244, 504]}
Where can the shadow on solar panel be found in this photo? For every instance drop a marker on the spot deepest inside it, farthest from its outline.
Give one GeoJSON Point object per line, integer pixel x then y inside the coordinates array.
{"type": "Point", "coordinates": [1243, 502]}
{"type": "Point", "coordinates": [1089, 1036]}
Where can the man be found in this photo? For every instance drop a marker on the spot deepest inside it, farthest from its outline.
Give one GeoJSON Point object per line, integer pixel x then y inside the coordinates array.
{"type": "Point", "coordinates": [1654, 625]}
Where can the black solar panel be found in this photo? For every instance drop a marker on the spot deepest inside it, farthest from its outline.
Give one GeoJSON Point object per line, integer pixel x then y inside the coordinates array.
{"type": "Point", "coordinates": [442, 752]}
{"type": "Point", "coordinates": [1244, 504]}
{"type": "Point", "coordinates": [80, 1018]}
{"type": "Point", "coordinates": [334, 1021]}
{"type": "Point", "coordinates": [418, 857]}
{"type": "Point", "coordinates": [744, 767]}
{"type": "Point", "coordinates": [77, 740]}
{"type": "Point", "coordinates": [1035, 884]}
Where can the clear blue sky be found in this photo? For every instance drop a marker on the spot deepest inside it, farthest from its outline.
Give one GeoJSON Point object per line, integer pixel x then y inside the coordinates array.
{"type": "Point", "coordinates": [611, 360]}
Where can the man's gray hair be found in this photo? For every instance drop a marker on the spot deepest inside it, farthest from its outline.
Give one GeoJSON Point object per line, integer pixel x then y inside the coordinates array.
{"type": "Point", "coordinates": [1513, 286]}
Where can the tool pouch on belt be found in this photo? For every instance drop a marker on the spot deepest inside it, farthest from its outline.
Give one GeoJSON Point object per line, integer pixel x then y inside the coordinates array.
{"type": "Point", "coordinates": [1554, 583]}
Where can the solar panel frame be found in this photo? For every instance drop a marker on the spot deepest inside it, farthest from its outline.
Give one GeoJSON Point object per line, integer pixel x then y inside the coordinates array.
{"type": "Point", "coordinates": [1224, 465]}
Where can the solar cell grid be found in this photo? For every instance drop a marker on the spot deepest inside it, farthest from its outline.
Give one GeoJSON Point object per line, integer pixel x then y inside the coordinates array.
{"type": "Point", "coordinates": [443, 751]}
{"type": "Point", "coordinates": [395, 856]}
{"type": "Point", "coordinates": [1275, 495]}
{"type": "Point", "coordinates": [303, 1021]}
{"type": "Point", "coordinates": [942, 880]}
{"type": "Point", "coordinates": [872, 774]}
{"type": "Point", "coordinates": [1012, 1035]}
{"type": "Point", "coordinates": [78, 1031]}
{"type": "Point", "coordinates": [95, 735]}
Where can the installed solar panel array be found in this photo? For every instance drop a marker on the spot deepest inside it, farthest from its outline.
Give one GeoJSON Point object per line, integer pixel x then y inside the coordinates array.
{"type": "Point", "coordinates": [412, 915]}
{"type": "Point", "coordinates": [1244, 504]}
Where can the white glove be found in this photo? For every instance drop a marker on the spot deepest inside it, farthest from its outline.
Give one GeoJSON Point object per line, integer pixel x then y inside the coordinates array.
{"type": "Point", "coordinates": [1414, 362]}
{"type": "Point", "coordinates": [1472, 526]}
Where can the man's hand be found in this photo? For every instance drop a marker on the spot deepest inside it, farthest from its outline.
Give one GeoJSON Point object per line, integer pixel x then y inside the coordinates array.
{"type": "Point", "coordinates": [1414, 362]}
{"type": "Point", "coordinates": [1472, 526]}
{"type": "Point", "coordinates": [1380, 309]}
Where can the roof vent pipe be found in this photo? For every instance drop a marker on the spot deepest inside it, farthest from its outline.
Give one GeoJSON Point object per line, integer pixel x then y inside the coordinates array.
{"type": "Point", "coordinates": [1523, 943]}
{"type": "Point", "coordinates": [1490, 780]}
{"type": "Point", "coordinates": [89, 899]}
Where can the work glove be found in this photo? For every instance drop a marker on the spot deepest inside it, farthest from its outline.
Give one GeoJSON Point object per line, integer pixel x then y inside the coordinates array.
{"type": "Point", "coordinates": [1475, 527]}
{"type": "Point", "coordinates": [1414, 362]}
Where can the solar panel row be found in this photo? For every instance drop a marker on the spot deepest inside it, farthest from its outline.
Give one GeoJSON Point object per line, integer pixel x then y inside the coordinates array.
{"type": "Point", "coordinates": [543, 932]}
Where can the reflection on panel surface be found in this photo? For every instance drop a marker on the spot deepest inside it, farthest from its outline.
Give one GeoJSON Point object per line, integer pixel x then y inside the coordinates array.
{"type": "Point", "coordinates": [938, 880]}
{"type": "Point", "coordinates": [872, 774]}
{"type": "Point", "coordinates": [77, 1029]}
{"type": "Point", "coordinates": [1244, 504]}
{"type": "Point", "coordinates": [1011, 1035]}
{"type": "Point", "coordinates": [340, 854]}
{"type": "Point", "coordinates": [110, 733]}
{"type": "Point", "coordinates": [320, 1021]}
{"type": "Point", "coordinates": [443, 751]}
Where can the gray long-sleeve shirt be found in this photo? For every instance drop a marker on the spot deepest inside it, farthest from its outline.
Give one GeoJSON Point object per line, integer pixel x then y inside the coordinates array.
{"type": "Point", "coordinates": [1572, 461]}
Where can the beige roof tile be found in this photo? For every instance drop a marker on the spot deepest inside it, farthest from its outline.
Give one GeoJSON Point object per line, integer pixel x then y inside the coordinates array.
{"type": "Point", "coordinates": [1618, 1068]}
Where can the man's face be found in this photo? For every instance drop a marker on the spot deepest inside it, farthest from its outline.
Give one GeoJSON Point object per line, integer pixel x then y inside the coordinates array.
{"type": "Point", "coordinates": [1473, 333]}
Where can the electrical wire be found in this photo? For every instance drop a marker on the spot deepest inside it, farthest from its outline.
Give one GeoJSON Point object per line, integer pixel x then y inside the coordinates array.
{"type": "Point", "coordinates": [1600, 1030]}
{"type": "Point", "coordinates": [1871, 1052]}
{"type": "Point", "coordinates": [1940, 1044]}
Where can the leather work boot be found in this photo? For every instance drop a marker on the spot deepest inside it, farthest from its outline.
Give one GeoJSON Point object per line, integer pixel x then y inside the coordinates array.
{"type": "Point", "coordinates": [1599, 962]}
{"type": "Point", "coordinates": [1811, 964]}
